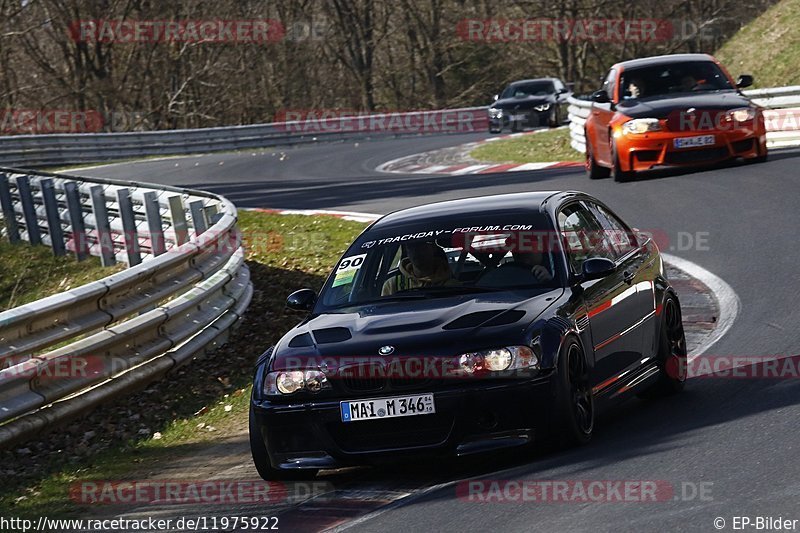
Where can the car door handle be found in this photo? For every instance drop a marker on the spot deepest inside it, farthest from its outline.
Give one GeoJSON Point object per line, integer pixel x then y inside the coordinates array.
{"type": "Point", "coordinates": [628, 276]}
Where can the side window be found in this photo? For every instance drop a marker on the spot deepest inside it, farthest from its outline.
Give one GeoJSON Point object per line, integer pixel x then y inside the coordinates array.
{"type": "Point", "coordinates": [582, 236]}
{"type": "Point", "coordinates": [609, 83]}
{"type": "Point", "coordinates": [616, 233]}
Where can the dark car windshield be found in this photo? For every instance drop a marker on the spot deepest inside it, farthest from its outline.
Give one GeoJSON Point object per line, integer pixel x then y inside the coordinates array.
{"type": "Point", "coordinates": [535, 88]}
{"type": "Point", "coordinates": [466, 256]}
{"type": "Point", "coordinates": [673, 78]}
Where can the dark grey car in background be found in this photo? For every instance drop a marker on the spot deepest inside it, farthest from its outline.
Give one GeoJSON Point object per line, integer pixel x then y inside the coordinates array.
{"type": "Point", "coordinates": [529, 104]}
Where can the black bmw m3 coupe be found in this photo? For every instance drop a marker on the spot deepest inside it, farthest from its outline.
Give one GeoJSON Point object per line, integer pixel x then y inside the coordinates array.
{"type": "Point", "coordinates": [468, 326]}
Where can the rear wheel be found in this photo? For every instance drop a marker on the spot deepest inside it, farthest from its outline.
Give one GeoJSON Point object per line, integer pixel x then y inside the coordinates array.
{"type": "Point", "coordinates": [616, 170]}
{"type": "Point", "coordinates": [593, 170]}
{"type": "Point", "coordinates": [261, 458]}
{"type": "Point", "coordinates": [574, 403]}
{"type": "Point", "coordinates": [671, 352]}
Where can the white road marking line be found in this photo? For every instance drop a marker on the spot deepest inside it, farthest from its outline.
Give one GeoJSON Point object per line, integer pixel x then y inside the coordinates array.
{"type": "Point", "coordinates": [469, 170]}
{"type": "Point", "coordinates": [144, 160]}
{"type": "Point", "coordinates": [729, 303]}
{"type": "Point", "coordinates": [532, 166]}
{"type": "Point", "coordinates": [431, 169]}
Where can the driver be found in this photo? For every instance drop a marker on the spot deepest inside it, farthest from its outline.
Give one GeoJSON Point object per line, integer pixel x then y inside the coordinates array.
{"type": "Point", "coordinates": [688, 82]}
{"type": "Point", "coordinates": [534, 260]}
{"type": "Point", "coordinates": [425, 265]}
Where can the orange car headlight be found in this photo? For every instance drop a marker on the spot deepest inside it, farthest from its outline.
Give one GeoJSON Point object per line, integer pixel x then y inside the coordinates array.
{"type": "Point", "coordinates": [742, 114]}
{"type": "Point", "coordinates": [641, 125]}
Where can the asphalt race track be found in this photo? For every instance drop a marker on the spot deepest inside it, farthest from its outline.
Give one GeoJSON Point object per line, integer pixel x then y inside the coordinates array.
{"type": "Point", "coordinates": [737, 221]}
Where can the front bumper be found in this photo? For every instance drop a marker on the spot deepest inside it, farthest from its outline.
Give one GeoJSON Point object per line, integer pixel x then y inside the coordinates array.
{"type": "Point", "coordinates": [645, 151]}
{"type": "Point", "coordinates": [468, 419]}
{"type": "Point", "coordinates": [521, 118]}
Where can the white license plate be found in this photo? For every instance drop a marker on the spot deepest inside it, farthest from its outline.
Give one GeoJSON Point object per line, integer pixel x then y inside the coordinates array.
{"type": "Point", "coordinates": [693, 142]}
{"type": "Point", "coordinates": [518, 117]}
{"type": "Point", "coordinates": [377, 408]}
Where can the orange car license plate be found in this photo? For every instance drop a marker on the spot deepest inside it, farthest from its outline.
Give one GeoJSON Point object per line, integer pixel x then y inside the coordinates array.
{"type": "Point", "coordinates": [694, 142]}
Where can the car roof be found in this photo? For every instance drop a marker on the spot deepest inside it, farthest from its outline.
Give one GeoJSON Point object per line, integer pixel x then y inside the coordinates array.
{"type": "Point", "coordinates": [495, 205]}
{"type": "Point", "coordinates": [519, 82]}
{"type": "Point", "coordinates": [663, 60]}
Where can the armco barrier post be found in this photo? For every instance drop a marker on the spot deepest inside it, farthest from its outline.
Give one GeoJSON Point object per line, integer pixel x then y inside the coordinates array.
{"type": "Point", "coordinates": [29, 210]}
{"type": "Point", "coordinates": [129, 227]}
{"type": "Point", "coordinates": [179, 224]}
{"type": "Point", "coordinates": [212, 213]}
{"type": "Point", "coordinates": [152, 212]}
{"type": "Point", "coordinates": [102, 226]}
{"type": "Point", "coordinates": [53, 218]}
{"type": "Point", "coordinates": [198, 217]}
{"type": "Point", "coordinates": [73, 198]}
{"type": "Point", "coordinates": [7, 205]}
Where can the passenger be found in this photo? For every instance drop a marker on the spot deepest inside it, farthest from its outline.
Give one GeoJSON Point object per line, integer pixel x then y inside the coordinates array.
{"type": "Point", "coordinates": [425, 265]}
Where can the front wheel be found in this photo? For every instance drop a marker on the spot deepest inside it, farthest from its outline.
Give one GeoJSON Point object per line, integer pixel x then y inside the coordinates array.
{"type": "Point", "coordinates": [593, 170]}
{"type": "Point", "coordinates": [616, 170]}
{"type": "Point", "coordinates": [574, 402]}
{"type": "Point", "coordinates": [671, 357]}
{"type": "Point", "coordinates": [760, 158]}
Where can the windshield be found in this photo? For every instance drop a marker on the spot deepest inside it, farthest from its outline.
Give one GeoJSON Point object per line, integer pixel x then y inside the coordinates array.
{"type": "Point", "coordinates": [538, 88]}
{"type": "Point", "coordinates": [672, 78]}
{"type": "Point", "coordinates": [463, 257]}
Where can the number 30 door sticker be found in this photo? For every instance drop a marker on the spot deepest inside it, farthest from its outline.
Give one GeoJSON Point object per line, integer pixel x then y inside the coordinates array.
{"type": "Point", "coordinates": [347, 269]}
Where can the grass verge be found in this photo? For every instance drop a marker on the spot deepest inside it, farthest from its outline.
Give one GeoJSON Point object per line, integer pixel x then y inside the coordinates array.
{"type": "Point", "coordinates": [198, 404]}
{"type": "Point", "coordinates": [768, 47]}
{"type": "Point", "coordinates": [28, 273]}
{"type": "Point", "coordinates": [540, 147]}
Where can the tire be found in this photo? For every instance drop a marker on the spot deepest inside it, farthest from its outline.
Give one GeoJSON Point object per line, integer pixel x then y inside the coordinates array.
{"type": "Point", "coordinates": [495, 131]}
{"type": "Point", "coordinates": [555, 120]}
{"type": "Point", "coordinates": [761, 158]}
{"type": "Point", "coordinates": [261, 458]}
{"type": "Point", "coordinates": [593, 170]}
{"type": "Point", "coordinates": [573, 414]}
{"type": "Point", "coordinates": [616, 170]}
{"type": "Point", "coordinates": [671, 358]}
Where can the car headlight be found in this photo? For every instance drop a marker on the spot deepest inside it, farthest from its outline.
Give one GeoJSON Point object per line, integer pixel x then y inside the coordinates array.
{"type": "Point", "coordinates": [499, 359]}
{"type": "Point", "coordinates": [291, 381]}
{"type": "Point", "coordinates": [495, 113]}
{"type": "Point", "coordinates": [742, 114]}
{"type": "Point", "coordinates": [641, 125]}
{"type": "Point", "coordinates": [543, 107]}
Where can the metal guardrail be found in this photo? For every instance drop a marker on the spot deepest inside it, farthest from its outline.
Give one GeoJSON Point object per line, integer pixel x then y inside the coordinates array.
{"type": "Point", "coordinates": [33, 151]}
{"type": "Point", "coordinates": [186, 285]}
{"type": "Point", "coordinates": [782, 120]}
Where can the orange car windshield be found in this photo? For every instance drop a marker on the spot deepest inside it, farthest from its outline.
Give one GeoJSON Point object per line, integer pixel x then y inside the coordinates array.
{"type": "Point", "coordinates": [673, 78]}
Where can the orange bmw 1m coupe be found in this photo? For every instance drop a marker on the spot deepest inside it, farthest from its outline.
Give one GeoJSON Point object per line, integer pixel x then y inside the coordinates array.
{"type": "Point", "coordinates": [672, 110]}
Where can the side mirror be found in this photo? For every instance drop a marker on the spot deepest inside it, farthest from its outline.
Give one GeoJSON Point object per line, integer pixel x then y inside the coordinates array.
{"type": "Point", "coordinates": [600, 97]}
{"type": "Point", "coordinates": [302, 300]}
{"type": "Point", "coordinates": [563, 90]}
{"type": "Point", "coordinates": [495, 97]}
{"type": "Point", "coordinates": [745, 80]}
{"type": "Point", "coordinates": [597, 267]}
